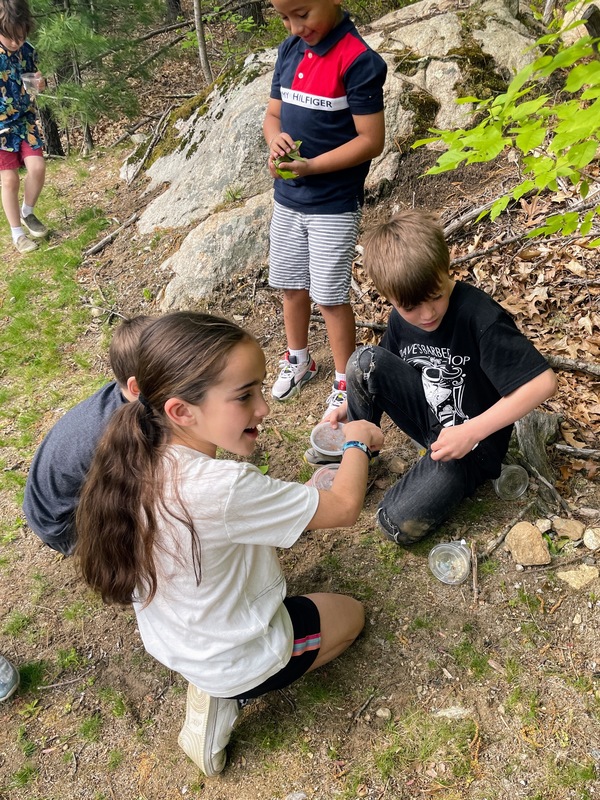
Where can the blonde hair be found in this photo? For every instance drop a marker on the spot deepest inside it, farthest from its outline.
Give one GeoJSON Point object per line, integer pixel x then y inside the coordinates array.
{"type": "Point", "coordinates": [407, 257]}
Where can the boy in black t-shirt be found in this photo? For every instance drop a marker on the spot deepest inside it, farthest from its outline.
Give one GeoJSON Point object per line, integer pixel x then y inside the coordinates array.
{"type": "Point", "coordinates": [452, 371]}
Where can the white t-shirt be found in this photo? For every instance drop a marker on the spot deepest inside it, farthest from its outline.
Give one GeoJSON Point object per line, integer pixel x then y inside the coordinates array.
{"type": "Point", "coordinates": [231, 632]}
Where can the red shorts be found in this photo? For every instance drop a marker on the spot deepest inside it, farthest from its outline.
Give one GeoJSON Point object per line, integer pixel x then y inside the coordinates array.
{"type": "Point", "coordinates": [14, 160]}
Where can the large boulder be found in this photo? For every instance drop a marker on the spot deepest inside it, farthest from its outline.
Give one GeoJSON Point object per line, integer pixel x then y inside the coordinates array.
{"type": "Point", "coordinates": [436, 51]}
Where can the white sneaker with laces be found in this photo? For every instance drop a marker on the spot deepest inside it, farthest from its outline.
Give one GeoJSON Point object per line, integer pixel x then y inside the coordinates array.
{"type": "Point", "coordinates": [292, 376]}
{"type": "Point", "coordinates": [337, 397]}
{"type": "Point", "coordinates": [207, 729]}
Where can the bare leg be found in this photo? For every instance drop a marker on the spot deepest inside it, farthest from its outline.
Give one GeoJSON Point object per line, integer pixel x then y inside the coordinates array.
{"type": "Point", "coordinates": [36, 176]}
{"type": "Point", "coordinates": [342, 333]}
{"type": "Point", "coordinates": [342, 619]}
{"type": "Point", "coordinates": [10, 196]}
{"type": "Point", "coordinates": [296, 317]}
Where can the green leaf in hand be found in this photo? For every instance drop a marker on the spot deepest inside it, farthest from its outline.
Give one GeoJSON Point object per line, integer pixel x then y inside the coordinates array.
{"type": "Point", "coordinates": [293, 155]}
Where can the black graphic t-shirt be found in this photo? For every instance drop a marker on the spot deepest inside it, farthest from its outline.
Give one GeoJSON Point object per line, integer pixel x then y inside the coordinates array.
{"type": "Point", "coordinates": [475, 357]}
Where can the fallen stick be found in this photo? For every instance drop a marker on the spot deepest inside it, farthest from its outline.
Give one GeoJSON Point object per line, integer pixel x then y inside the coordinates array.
{"type": "Point", "coordinates": [578, 452]}
{"type": "Point", "coordinates": [108, 239]}
{"type": "Point", "coordinates": [571, 364]}
{"type": "Point", "coordinates": [553, 491]}
{"type": "Point", "coordinates": [158, 132]}
{"type": "Point", "coordinates": [495, 543]}
{"type": "Point", "coordinates": [474, 568]}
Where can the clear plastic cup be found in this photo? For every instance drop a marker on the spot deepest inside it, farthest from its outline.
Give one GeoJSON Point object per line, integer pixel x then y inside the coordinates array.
{"type": "Point", "coordinates": [323, 477]}
{"type": "Point", "coordinates": [327, 440]}
{"type": "Point", "coordinates": [450, 562]}
{"type": "Point", "coordinates": [32, 83]}
{"type": "Point", "coordinates": [512, 482]}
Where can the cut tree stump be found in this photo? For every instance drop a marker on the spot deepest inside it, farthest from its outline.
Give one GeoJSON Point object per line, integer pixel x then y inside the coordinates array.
{"type": "Point", "coordinates": [534, 432]}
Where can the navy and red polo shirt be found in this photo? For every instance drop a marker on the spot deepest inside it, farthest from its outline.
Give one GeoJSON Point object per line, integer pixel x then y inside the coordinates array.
{"type": "Point", "coordinates": [321, 88]}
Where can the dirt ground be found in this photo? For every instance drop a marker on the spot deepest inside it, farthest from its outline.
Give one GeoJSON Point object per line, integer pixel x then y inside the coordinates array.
{"type": "Point", "coordinates": [445, 694]}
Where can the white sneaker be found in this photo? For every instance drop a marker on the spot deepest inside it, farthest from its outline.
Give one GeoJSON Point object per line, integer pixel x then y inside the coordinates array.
{"type": "Point", "coordinates": [207, 729]}
{"type": "Point", "coordinates": [292, 376]}
{"type": "Point", "coordinates": [337, 397]}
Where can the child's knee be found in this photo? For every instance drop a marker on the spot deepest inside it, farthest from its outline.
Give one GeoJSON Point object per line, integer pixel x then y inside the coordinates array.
{"type": "Point", "coordinates": [361, 364]}
{"type": "Point", "coordinates": [9, 180]}
{"type": "Point", "coordinates": [403, 531]}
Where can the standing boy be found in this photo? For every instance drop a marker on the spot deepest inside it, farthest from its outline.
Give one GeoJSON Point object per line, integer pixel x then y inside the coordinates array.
{"type": "Point", "coordinates": [61, 462]}
{"type": "Point", "coordinates": [20, 137]}
{"type": "Point", "coordinates": [327, 92]}
{"type": "Point", "coordinates": [452, 371]}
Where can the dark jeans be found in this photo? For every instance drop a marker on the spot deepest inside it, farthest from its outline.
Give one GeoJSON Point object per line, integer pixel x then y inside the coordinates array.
{"type": "Point", "coordinates": [379, 381]}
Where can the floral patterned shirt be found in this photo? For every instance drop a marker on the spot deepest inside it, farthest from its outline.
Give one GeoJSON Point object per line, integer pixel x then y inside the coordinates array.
{"type": "Point", "coordinates": [17, 112]}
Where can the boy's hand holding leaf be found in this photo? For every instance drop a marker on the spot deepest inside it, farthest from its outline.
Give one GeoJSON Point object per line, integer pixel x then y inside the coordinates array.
{"type": "Point", "coordinates": [293, 155]}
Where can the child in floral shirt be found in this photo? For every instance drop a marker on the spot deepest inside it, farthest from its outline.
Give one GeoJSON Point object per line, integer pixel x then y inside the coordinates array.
{"type": "Point", "coordinates": [20, 138]}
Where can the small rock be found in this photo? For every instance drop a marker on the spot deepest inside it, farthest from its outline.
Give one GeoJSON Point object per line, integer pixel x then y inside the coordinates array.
{"type": "Point", "coordinates": [383, 713]}
{"type": "Point", "coordinates": [580, 577]}
{"type": "Point", "coordinates": [543, 524]}
{"type": "Point", "coordinates": [571, 528]}
{"type": "Point", "coordinates": [453, 712]}
{"type": "Point", "coordinates": [577, 619]}
{"type": "Point", "coordinates": [526, 545]}
{"type": "Point", "coordinates": [297, 796]}
{"type": "Point", "coordinates": [138, 138]}
{"type": "Point", "coordinates": [397, 465]}
{"type": "Point", "coordinates": [591, 538]}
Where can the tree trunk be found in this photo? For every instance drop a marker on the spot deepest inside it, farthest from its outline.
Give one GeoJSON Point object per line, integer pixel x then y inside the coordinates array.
{"type": "Point", "coordinates": [53, 144]}
{"type": "Point", "coordinates": [253, 10]}
{"type": "Point", "coordinates": [204, 62]}
{"type": "Point", "coordinates": [174, 10]}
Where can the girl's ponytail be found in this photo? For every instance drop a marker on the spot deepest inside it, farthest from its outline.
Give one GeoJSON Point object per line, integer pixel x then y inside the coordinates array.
{"type": "Point", "coordinates": [116, 518]}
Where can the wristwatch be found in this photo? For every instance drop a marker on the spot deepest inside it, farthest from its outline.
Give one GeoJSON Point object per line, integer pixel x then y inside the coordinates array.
{"type": "Point", "coordinates": [361, 446]}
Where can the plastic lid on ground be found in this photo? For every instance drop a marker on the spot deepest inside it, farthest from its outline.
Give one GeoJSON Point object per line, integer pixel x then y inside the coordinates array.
{"type": "Point", "coordinates": [450, 562]}
{"type": "Point", "coordinates": [328, 440]}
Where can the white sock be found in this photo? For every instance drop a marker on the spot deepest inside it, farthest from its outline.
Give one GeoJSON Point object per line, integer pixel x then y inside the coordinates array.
{"type": "Point", "coordinates": [26, 210]}
{"type": "Point", "coordinates": [340, 376]}
{"type": "Point", "coordinates": [300, 355]}
{"type": "Point", "coordinates": [16, 232]}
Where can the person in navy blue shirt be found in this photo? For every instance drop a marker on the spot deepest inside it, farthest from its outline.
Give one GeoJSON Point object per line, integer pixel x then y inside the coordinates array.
{"type": "Point", "coordinates": [327, 92]}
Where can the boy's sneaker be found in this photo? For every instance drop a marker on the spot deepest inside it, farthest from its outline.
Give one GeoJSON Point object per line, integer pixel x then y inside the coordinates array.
{"type": "Point", "coordinates": [9, 679]}
{"type": "Point", "coordinates": [36, 228]}
{"type": "Point", "coordinates": [207, 729]}
{"type": "Point", "coordinates": [316, 459]}
{"type": "Point", "coordinates": [25, 245]}
{"type": "Point", "coordinates": [292, 376]}
{"type": "Point", "coordinates": [337, 397]}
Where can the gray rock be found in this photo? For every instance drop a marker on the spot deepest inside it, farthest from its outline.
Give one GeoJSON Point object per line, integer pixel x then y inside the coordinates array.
{"type": "Point", "coordinates": [221, 152]}
{"type": "Point", "coordinates": [591, 538]}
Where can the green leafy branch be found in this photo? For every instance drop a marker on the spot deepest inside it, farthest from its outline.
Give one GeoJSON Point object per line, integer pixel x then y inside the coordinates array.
{"type": "Point", "coordinates": [554, 138]}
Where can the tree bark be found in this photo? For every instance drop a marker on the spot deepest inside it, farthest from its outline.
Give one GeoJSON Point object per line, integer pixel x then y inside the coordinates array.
{"type": "Point", "coordinates": [202, 52]}
{"type": "Point", "coordinates": [174, 10]}
{"type": "Point", "coordinates": [52, 142]}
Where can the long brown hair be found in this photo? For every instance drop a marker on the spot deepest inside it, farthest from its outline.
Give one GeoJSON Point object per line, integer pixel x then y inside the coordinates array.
{"type": "Point", "coordinates": [16, 21]}
{"type": "Point", "coordinates": [180, 355]}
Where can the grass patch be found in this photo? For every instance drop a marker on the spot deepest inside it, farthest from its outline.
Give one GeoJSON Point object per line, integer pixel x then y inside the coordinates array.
{"type": "Point", "coordinates": [42, 320]}
{"type": "Point", "coordinates": [418, 738]}
{"type": "Point", "coordinates": [91, 727]}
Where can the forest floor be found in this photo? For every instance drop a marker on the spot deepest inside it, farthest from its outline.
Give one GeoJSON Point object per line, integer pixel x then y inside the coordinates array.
{"type": "Point", "coordinates": [447, 694]}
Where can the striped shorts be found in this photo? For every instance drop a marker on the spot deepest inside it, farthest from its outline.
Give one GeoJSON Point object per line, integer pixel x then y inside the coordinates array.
{"type": "Point", "coordinates": [306, 622]}
{"type": "Point", "coordinates": [313, 252]}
